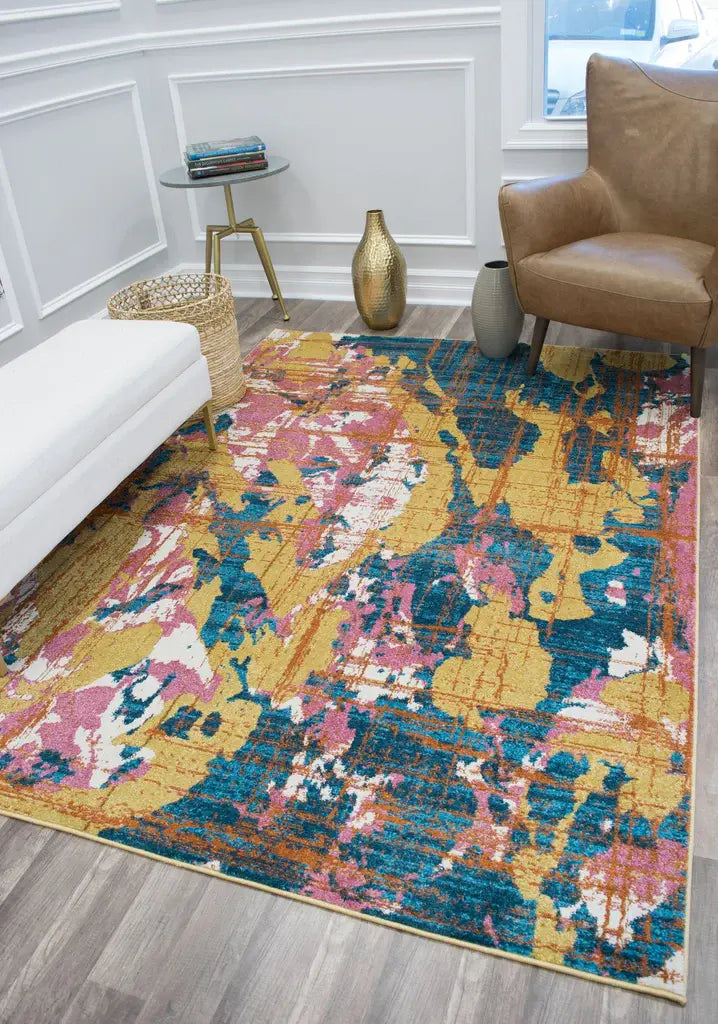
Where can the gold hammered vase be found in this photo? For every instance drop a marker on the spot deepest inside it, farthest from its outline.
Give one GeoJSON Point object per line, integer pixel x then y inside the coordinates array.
{"type": "Point", "coordinates": [379, 276]}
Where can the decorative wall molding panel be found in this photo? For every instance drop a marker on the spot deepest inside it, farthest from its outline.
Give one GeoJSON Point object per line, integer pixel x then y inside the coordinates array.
{"type": "Point", "coordinates": [464, 66]}
{"type": "Point", "coordinates": [271, 31]}
{"type": "Point", "coordinates": [54, 224]}
{"type": "Point", "coordinates": [41, 13]}
{"type": "Point", "coordinates": [10, 318]}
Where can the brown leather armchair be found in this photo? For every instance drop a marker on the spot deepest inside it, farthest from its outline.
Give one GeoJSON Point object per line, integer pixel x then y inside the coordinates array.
{"type": "Point", "coordinates": [629, 244]}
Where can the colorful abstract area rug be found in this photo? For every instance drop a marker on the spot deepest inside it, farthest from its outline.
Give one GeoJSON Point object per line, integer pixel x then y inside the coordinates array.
{"type": "Point", "coordinates": [416, 642]}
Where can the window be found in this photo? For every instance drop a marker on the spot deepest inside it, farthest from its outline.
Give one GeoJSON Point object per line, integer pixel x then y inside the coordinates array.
{"type": "Point", "coordinates": [672, 33]}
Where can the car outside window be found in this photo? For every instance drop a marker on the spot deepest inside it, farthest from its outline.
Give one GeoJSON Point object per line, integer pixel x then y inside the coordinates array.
{"type": "Point", "coordinates": [671, 33]}
{"type": "Point", "coordinates": [601, 19]}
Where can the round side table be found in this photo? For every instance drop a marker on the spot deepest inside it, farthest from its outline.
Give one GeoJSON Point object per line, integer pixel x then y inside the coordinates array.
{"type": "Point", "coordinates": [178, 177]}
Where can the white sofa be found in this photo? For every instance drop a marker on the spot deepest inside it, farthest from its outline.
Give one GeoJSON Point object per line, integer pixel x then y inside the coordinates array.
{"type": "Point", "coordinates": [77, 414]}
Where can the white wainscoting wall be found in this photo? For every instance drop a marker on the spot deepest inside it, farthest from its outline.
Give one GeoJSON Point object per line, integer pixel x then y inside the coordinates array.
{"type": "Point", "coordinates": [106, 196]}
{"type": "Point", "coordinates": [416, 107]}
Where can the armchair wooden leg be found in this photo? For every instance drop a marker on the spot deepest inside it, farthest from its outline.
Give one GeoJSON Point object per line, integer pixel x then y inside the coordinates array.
{"type": "Point", "coordinates": [209, 425]}
{"type": "Point", "coordinates": [698, 374]}
{"type": "Point", "coordinates": [539, 337]}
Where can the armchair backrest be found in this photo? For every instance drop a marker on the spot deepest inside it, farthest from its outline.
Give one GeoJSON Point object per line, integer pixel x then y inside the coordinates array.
{"type": "Point", "coordinates": [653, 138]}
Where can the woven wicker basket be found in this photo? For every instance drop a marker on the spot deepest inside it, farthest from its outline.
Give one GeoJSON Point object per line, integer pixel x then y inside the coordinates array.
{"type": "Point", "coordinates": [203, 300]}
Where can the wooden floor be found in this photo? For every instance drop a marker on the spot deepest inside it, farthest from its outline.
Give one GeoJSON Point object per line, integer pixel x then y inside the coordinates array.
{"type": "Point", "coordinates": [92, 934]}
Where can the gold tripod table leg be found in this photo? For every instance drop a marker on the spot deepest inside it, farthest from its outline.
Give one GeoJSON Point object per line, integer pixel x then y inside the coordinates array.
{"type": "Point", "coordinates": [266, 259]}
{"type": "Point", "coordinates": [217, 252]}
{"type": "Point", "coordinates": [208, 251]}
{"type": "Point", "coordinates": [209, 426]}
{"type": "Point", "coordinates": [229, 203]}
{"type": "Point", "coordinates": [219, 234]}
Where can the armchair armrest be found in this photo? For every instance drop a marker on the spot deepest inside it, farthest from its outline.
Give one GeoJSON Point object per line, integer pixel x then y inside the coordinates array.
{"type": "Point", "coordinates": [710, 278]}
{"type": "Point", "coordinates": [540, 215]}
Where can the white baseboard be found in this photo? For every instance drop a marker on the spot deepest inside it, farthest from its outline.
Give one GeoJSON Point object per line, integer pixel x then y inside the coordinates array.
{"type": "Point", "coordinates": [428, 287]}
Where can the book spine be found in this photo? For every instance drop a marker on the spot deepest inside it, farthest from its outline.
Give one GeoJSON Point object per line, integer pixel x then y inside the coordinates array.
{"type": "Point", "coordinates": [231, 158]}
{"type": "Point", "coordinates": [233, 151]}
{"type": "Point", "coordinates": [214, 172]}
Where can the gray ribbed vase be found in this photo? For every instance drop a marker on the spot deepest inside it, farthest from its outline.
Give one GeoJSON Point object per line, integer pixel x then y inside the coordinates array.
{"type": "Point", "coordinates": [495, 312]}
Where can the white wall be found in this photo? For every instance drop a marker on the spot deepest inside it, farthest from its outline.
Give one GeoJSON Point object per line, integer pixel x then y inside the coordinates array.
{"type": "Point", "coordinates": [377, 103]}
{"type": "Point", "coordinates": [79, 206]}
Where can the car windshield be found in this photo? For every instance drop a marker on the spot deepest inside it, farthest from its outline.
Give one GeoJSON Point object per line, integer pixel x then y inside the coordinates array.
{"type": "Point", "coordinates": [600, 19]}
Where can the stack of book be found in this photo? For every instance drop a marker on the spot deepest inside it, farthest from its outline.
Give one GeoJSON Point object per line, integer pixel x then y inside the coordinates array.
{"type": "Point", "coordinates": [227, 156]}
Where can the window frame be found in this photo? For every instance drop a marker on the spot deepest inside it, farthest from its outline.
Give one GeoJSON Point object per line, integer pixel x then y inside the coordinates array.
{"type": "Point", "coordinates": [523, 54]}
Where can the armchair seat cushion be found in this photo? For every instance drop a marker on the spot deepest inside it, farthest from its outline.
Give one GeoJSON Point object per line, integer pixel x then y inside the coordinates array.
{"type": "Point", "coordinates": [635, 283]}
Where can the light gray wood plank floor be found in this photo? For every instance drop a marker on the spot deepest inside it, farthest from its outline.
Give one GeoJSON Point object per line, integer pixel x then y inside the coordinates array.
{"type": "Point", "coordinates": [91, 934]}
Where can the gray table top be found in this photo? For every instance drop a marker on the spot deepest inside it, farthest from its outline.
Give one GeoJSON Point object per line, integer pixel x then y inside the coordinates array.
{"type": "Point", "coordinates": [177, 177]}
